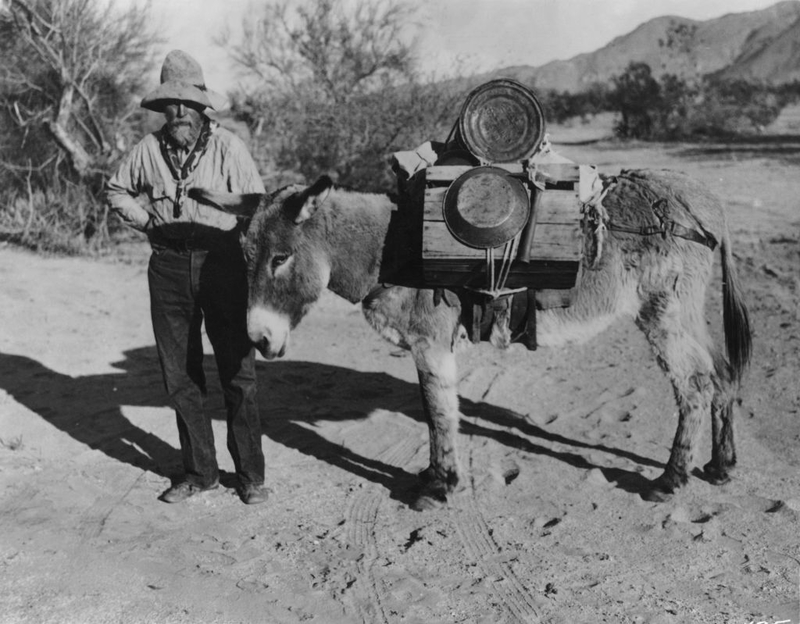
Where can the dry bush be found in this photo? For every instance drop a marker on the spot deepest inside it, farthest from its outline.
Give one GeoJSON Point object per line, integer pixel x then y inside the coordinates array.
{"type": "Point", "coordinates": [71, 71]}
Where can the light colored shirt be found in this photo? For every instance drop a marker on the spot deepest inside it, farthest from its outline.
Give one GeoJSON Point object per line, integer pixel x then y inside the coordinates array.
{"type": "Point", "coordinates": [143, 190]}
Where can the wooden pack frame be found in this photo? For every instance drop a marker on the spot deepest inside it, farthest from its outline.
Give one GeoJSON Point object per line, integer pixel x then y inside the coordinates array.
{"type": "Point", "coordinates": [549, 250]}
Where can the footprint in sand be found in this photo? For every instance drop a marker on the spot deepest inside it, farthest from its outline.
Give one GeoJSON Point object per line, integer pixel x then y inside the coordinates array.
{"type": "Point", "coordinates": [610, 406]}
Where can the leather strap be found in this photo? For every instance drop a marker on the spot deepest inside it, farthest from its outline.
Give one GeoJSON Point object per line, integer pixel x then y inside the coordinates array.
{"type": "Point", "coordinates": [667, 226]}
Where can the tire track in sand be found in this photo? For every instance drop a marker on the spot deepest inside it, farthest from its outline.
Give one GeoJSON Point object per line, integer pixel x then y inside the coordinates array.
{"type": "Point", "coordinates": [360, 521]}
{"type": "Point", "coordinates": [512, 592]}
{"type": "Point", "coordinates": [93, 519]}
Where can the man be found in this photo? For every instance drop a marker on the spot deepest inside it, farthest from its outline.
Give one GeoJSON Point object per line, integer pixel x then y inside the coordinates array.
{"type": "Point", "coordinates": [196, 273]}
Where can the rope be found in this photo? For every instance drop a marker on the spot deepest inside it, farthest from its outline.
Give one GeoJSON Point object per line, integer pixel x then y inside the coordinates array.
{"type": "Point", "coordinates": [509, 252]}
{"type": "Point", "coordinates": [452, 131]}
{"type": "Point", "coordinates": [599, 217]}
{"type": "Point", "coordinates": [497, 280]}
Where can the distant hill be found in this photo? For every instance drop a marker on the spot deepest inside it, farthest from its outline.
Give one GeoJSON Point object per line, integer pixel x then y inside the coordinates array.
{"type": "Point", "coordinates": [777, 61]}
{"type": "Point", "coordinates": [757, 46]}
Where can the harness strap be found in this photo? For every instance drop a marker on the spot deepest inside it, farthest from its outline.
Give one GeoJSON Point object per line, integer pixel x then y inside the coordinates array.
{"type": "Point", "coordinates": [667, 226]}
{"type": "Point", "coordinates": [671, 227]}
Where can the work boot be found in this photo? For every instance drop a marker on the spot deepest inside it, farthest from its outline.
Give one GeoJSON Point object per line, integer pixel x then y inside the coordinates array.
{"type": "Point", "coordinates": [183, 490]}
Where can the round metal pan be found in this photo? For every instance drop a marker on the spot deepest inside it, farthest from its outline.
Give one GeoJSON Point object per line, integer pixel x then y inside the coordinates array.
{"type": "Point", "coordinates": [501, 121]}
{"type": "Point", "coordinates": [486, 207]}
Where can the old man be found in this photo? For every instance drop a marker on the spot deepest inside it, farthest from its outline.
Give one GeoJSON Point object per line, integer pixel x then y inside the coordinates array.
{"type": "Point", "coordinates": [196, 273]}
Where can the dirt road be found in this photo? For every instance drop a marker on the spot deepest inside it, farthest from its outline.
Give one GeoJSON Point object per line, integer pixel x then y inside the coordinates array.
{"type": "Point", "coordinates": [544, 532]}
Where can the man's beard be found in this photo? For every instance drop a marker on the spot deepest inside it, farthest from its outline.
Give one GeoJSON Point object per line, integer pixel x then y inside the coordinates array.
{"type": "Point", "coordinates": [183, 133]}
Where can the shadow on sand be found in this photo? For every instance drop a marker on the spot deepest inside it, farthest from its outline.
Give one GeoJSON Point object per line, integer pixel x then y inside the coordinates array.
{"type": "Point", "coordinates": [292, 396]}
{"type": "Point", "coordinates": [783, 147]}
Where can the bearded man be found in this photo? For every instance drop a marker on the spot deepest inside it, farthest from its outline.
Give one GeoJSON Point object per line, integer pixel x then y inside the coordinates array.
{"type": "Point", "coordinates": [196, 273]}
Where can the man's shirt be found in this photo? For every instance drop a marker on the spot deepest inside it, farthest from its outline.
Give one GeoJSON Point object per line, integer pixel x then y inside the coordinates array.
{"type": "Point", "coordinates": [226, 165]}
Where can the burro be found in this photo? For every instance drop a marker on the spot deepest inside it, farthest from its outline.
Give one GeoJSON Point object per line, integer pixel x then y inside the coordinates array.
{"type": "Point", "coordinates": [302, 240]}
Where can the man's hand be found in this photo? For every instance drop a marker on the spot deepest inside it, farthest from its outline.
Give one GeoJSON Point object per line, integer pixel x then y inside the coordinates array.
{"type": "Point", "coordinates": [239, 204]}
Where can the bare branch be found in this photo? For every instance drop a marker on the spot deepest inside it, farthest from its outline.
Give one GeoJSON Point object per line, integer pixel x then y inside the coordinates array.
{"type": "Point", "coordinates": [29, 167]}
{"type": "Point", "coordinates": [72, 68]}
{"type": "Point", "coordinates": [341, 89]}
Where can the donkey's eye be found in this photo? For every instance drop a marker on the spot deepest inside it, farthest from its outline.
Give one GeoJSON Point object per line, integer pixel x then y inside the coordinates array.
{"type": "Point", "coordinates": [279, 260]}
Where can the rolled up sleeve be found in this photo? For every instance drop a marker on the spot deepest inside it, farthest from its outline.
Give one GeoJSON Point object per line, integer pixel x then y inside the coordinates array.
{"type": "Point", "coordinates": [243, 175]}
{"type": "Point", "coordinates": [124, 189]}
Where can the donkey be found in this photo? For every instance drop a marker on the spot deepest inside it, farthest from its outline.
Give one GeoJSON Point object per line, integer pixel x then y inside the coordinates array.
{"type": "Point", "coordinates": [301, 240]}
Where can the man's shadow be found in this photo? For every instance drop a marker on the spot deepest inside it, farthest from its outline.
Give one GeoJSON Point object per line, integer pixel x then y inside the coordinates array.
{"type": "Point", "coordinates": [292, 396]}
{"type": "Point", "coordinates": [89, 408]}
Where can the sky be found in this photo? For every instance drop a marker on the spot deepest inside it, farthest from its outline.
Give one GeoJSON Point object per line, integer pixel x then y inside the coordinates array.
{"type": "Point", "coordinates": [475, 35]}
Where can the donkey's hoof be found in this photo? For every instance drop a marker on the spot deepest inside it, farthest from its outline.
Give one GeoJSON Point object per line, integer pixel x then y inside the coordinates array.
{"type": "Point", "coordinates": [429, 495]}
{"type": "Point", "coordinates": [660, 491]}
{"type": "Point", "coordinates": [425, 502]}
{"type": "Point", "coordinates": [654, 495]}
{"type": "Point", "coordinates": [716, 475]}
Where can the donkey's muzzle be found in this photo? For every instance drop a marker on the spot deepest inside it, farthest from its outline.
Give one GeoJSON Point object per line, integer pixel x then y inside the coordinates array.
{"type": "Point", "coordinates": [264, 349]}
{"type": "Point", "coordinates": [268, 331]}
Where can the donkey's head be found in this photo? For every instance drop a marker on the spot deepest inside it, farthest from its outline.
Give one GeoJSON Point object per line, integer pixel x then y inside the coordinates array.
{"type": "Point", "coordinates": [288, 264]}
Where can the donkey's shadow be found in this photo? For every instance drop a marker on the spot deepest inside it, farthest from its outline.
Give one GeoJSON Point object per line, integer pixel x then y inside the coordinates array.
{"type": "Point", "coordinates": [292, 395]}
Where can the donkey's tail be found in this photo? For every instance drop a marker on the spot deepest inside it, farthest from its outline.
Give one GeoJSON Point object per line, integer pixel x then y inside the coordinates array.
{"type": "Point", "coordinates": [736, 320]}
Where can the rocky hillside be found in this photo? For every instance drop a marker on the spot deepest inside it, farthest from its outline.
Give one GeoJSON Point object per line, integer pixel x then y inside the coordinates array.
{"type": "Point", "coordinates": [758, 45]}
{"type": "Point", "coordinates": [776, 61]}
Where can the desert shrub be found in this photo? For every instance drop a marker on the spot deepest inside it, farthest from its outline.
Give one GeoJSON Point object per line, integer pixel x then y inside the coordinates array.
{"type": "Point", "coordinates": [734, 108]}
{"type": "Point", "coordinates": [636, 96]}
{"type": "Point", "coordinates": [560, 106]}
{"type": "Point", "coordinates": [71, 70]}
{"type": "Point", "coordinates": [335, 89]}
{"type": "Point", "coordinates": [671, 108]}
{"type": "Point", "coordinates": [61, 221]}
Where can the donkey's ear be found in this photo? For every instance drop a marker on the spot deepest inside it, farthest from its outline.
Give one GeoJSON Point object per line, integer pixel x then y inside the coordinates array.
{"type": "Point", "coordinates": [312, 198]}
{"type": "Point", "coordinates": [239, 204]}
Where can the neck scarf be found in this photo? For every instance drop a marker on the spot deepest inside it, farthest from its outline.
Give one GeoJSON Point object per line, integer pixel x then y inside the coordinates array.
{"type": "Point", "coordinates": [180, 171]}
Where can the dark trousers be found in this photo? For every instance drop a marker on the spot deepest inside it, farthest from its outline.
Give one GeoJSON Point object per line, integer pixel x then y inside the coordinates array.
{"type": "Point", "coordinates": [187, 287]}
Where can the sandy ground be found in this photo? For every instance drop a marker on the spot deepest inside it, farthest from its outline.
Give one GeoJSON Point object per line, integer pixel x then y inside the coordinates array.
{"type": "Point", "coordinates": [544, 532]}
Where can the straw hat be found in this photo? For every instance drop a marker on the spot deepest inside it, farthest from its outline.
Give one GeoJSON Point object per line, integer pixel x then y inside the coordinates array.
{"type": "Point", "coordinates": [182, 79]}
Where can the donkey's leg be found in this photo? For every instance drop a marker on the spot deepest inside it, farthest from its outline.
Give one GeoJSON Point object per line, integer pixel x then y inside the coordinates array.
{"type": "Point", "coordinates": [673, 334]}
{"type": "Point", "coordinates": [438, 380]}
{"type": "Point", "coordinates": [723, 449]}
{"type": "Point", "coordinates": [415, 320]}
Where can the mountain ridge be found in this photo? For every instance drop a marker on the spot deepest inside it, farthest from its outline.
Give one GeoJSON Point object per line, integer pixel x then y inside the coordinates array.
{"type": "Point", "coordinates": [757, 46]}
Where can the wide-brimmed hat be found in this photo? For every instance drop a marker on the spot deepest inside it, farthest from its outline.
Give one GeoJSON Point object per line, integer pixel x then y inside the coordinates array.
{"type": "Point", "coordinates": [182, 79]}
